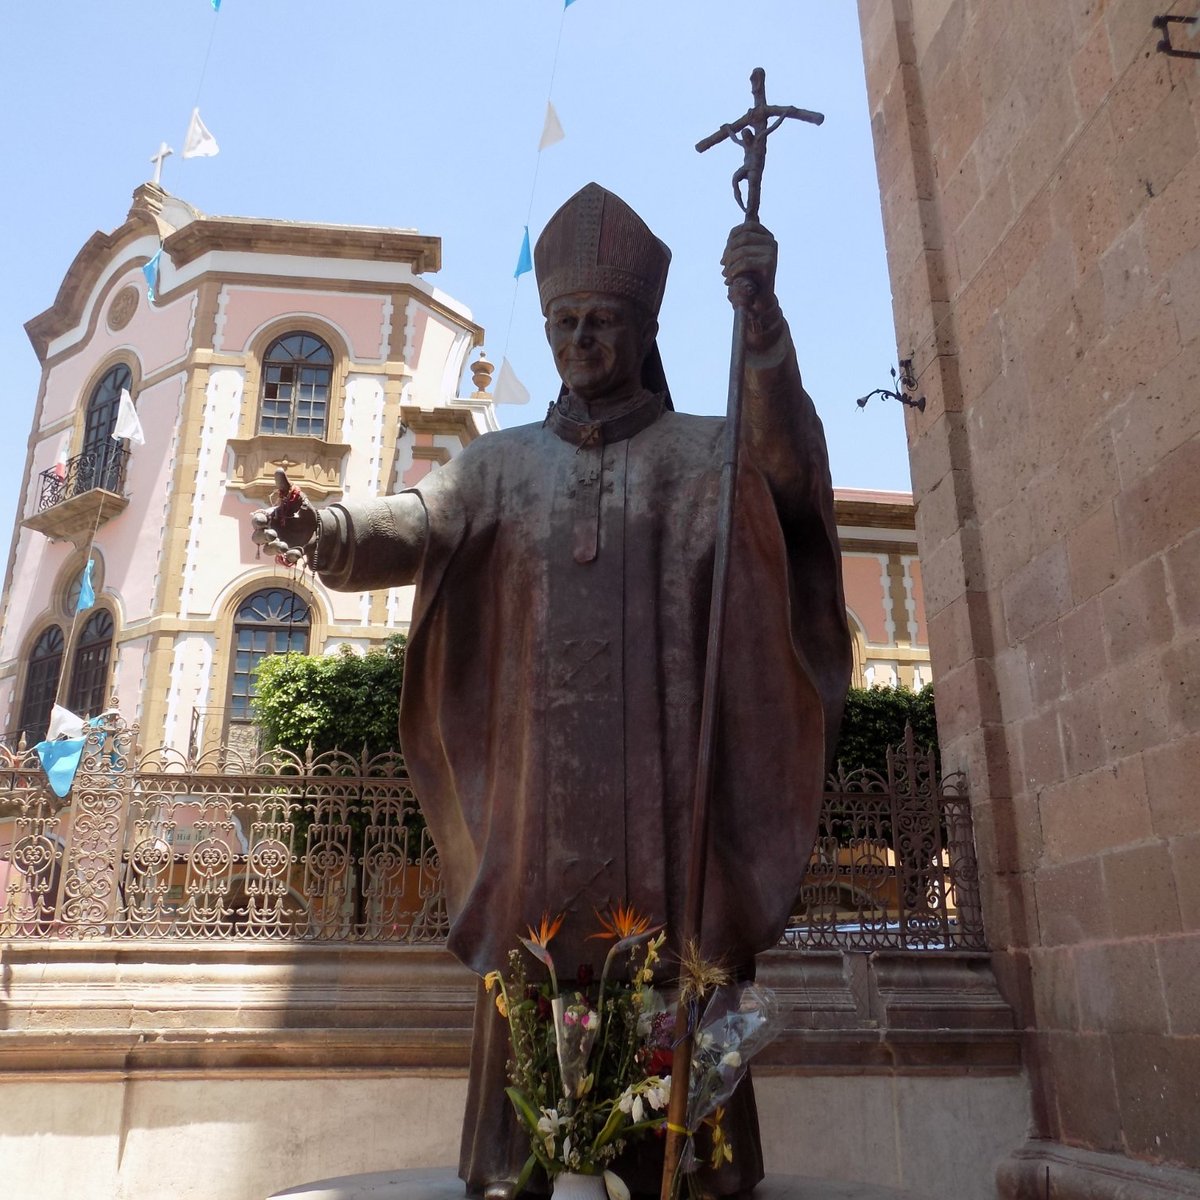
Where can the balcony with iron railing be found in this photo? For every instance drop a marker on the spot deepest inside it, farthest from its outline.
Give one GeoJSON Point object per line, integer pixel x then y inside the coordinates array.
{"type": "Point", "coordinates": [78, 496]}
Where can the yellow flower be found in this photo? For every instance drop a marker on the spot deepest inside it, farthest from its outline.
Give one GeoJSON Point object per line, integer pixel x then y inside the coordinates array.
{"type": "Point", "coordinates": [502, 1004]}
{"type": "Point", "coordinates": [490, 980]}
{"type": "Point", "coordinates": [722, 1151]}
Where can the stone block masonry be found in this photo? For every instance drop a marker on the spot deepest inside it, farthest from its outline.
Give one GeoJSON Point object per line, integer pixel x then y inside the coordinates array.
{"type": "Point", "coordinates": [1039, 166]}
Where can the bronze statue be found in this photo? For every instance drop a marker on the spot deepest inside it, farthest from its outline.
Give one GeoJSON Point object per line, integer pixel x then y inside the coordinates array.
{"type": "Point", "coordinates": [556, 658]}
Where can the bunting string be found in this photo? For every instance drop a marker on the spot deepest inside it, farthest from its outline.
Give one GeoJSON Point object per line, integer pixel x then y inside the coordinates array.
{"type": "Point", "coordinates": [513, 391]}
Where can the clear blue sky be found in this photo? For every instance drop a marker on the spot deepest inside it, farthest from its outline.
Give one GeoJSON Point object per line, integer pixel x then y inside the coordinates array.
{"type": "Point", "coordinates": [427, 114]}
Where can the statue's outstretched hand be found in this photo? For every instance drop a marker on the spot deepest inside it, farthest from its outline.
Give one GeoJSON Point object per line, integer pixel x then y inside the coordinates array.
{"type": "Point", "coordinates": [286, 530]}
{"type": "Point", "coordinates": [748, 264]}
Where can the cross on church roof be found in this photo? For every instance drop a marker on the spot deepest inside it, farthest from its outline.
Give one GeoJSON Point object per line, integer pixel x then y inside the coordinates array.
{"type": "Point", "coordinates": [157, 159]}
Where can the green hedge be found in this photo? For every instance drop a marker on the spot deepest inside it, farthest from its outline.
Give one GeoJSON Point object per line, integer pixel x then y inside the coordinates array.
{"type": "Point", "coordinates": [335, 701]}
{"type": "Point", "coordinates": [875, 719]}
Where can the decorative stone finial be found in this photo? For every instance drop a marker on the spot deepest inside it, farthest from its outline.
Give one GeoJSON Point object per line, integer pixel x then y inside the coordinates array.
{"type": "Point", "coordinates": [481, 373]}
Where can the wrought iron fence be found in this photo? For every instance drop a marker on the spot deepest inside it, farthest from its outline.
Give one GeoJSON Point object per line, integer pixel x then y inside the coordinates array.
{"type": "Point", "coordinates": [103, 468]}
{"type": "Point", "coordinates": [223, 845]}
{"type": "Point", "coordinates": [894, 865]}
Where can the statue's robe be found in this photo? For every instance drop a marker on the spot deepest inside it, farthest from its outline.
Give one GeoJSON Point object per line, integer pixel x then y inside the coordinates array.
{"type": "Point", "coordinates": [554, 674]}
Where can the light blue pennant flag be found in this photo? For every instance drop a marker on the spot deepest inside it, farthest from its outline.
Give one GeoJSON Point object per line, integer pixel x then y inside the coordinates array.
{"type": "Point", "coordinates": [87, 593]}
{"type": "Point", "coordinates": [217, 5]}
{"type": "Point", "coordinates": [60, 761]}
{"type": "Point", "coordinates": [525, 262]}
{"type": "Point", "coordinates": [568, 4]}
{"type": "Point", "coordinates": [150, 270]}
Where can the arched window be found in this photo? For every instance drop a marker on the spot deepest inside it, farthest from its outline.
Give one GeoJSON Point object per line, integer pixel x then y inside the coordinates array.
{"type": "Point", "coordinates": [102, 459]}
{"type": "Point", "coordinates": [297, 374]}
{"type": "Point", "coordinates": [41, 683]}
{"type": "Point", "coordinates": [89, 667]}
{"type": "Point", "coordinates": [273, 621]}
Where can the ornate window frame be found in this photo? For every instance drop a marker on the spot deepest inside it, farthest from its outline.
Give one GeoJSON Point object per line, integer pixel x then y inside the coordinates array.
{"type": "Point", "coordinates": [225, 639]}
{"type": "Point", "coordinates": [316, 464]}
{"type": "Point", "coordinates": [39, 630]}
{"type": "Point", "coordinates": [122, 357]}
{"type": "Point", "coordinates": [101, 692]}
{"type": "Point", "coordinates": [294, 352]}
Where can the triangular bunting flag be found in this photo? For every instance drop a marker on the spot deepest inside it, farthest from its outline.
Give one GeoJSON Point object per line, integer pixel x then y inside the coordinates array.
{"type": "Point", "coordinates": [199, 143]}
{"type": "Point", "coordinates": [552, 130]}
{"type": "Point", "coordinates": [128, 425]}
{"type": "Point", "coordinates": [509, 389]}
{"type": "Point", "coordinates": [217, 5]}
{"type": "Point", "coordinates": [64, 723]}
{"type": "Point", "coordinates": [525, 262]}
{"type": "Point", "coordinates": [59, 470]}
{"type": "Point", "coordinates": [87, 593]}
{"type": "Point", "coordinates": [150, 271]}
{"type": "Point", "coordinates": [568, 4]}
{"type": "Point", "coordinates": [60, 761]}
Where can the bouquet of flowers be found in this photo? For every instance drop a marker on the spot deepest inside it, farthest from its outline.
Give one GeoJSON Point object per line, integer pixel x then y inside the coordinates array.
{"type": "Point", "coordinates": [738, 1021]}
{"type": "Point", "coordinates": [587, 1061]}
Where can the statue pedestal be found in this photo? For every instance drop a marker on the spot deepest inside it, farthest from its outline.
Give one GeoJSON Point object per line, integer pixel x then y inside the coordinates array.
{"type": "Point", "coordinates": [444, 1184]}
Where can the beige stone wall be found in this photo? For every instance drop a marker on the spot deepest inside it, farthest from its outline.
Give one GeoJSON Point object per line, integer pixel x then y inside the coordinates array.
{"type": "Point", "coordinates": [1040, 185]}
{"type": "Point", "coordinates": [246, 1138]}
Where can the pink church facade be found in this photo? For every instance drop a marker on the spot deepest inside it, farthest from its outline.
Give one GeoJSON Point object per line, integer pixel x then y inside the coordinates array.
{"type": "Point", "coordinates": [320, 349]}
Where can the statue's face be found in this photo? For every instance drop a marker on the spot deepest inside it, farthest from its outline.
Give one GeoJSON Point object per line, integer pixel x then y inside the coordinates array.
{"type": "Point", "coordinates": [599, 343]}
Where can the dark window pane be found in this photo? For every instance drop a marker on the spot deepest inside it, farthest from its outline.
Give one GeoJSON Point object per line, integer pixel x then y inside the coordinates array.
{"type": "Point", "coordinates": [288, 385]}
{"type": "Point", "coordinates": [272, 621]}
{"type": "Point", "coordinates": [41, 683]}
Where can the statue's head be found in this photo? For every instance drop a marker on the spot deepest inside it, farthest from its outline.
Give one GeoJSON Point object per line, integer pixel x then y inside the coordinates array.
{"type": "Point", "coordinates": [601, 275]}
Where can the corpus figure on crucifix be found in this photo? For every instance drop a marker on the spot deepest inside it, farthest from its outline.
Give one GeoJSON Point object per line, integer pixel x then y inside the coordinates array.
{"type": "Point", "coordinates": [556, 662]}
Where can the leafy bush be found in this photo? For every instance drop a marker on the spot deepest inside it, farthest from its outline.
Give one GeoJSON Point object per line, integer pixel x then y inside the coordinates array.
{"type": "Point", "coordinates": [335, 701]}
{"type": "Point", "coordinates": [874, 720]}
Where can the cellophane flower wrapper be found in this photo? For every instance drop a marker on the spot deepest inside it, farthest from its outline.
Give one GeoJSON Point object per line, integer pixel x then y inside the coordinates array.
{"type": "Point", "coordinates": [738, 1022]}
{"type": "Point", "coordinates": [576, 1025]}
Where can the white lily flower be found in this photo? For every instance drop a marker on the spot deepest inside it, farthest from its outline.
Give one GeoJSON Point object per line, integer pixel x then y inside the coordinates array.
{"type": "Point", "coordinates": [547, 1126]}
{"type": "Point", "coordinates": [625, 1103]}
{"type": "Point", "coordinates": [615, 1186]}
{"type": "Point", "coordinates": [638, 1112]}
{"type": "Point", "coordinates": [732, 1059]}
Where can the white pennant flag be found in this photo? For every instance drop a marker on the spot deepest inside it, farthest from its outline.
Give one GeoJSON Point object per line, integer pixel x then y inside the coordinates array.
{"type": "Point", "coordinates": [60, 463]}
{"type": "Point", "coordinates": [128, 425]}
{"type": "Point", "coordinates": [509, 389]}
{"type": "Point", "coordinates": [199, 143]}
{"type": "Point", "coordinates": [64, 723]}
{"type": "Point", "coordinates": [552, 131]}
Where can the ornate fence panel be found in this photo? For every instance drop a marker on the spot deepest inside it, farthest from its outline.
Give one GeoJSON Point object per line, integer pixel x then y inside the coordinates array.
{"type": "Point", "coordinates": [221, 845]}
{"type": "Point", "coordinates": [894, 866]}
{"type": "Point", "coordinates": [329, 848]}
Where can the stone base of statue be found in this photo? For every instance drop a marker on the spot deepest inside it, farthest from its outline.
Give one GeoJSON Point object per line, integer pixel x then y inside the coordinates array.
{"type": "Point", "coordinates": [426, 1184]}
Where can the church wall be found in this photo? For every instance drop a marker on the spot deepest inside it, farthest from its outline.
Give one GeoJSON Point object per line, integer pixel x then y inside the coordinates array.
{"type": "Point", "coordinates": [364, 320]}
{"type": "Point", "coordinates": [155, 339]}
{"type": "Point", "coordinates": [132, 540]}
{"type": "Point", "coordinates": [438, 363]}
{"type": "Point", "coordinates": [363, 430]}
{"type": "Point", "coordinates": [1039, 169]}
